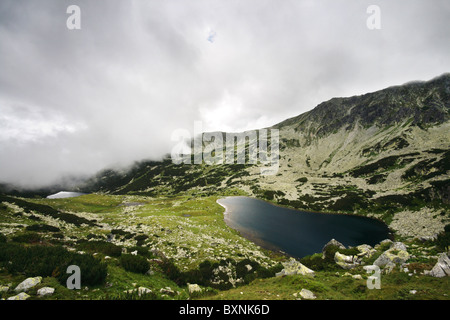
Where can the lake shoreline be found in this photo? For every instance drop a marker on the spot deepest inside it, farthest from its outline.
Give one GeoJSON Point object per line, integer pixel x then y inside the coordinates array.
{"type": "Point", "coordinates": [259, 242]}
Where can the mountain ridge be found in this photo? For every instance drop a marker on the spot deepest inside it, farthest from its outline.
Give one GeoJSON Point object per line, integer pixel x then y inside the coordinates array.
{"type": "Point", "coordinates": [384, 154]}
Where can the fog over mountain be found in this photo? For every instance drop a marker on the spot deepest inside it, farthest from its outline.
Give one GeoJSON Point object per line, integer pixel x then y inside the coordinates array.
{"type": "Point", "coordinates": [73, 102]}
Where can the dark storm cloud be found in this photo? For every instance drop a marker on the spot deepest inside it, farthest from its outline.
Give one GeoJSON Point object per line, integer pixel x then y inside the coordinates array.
{"type": "Point", "coordinates": [76, 101]}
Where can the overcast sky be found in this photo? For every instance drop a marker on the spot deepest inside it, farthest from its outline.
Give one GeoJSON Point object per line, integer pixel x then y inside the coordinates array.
{"type": "Point", "coordinates": [77, 101]}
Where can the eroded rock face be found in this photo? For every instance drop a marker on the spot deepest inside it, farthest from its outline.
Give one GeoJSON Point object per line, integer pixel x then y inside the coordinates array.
{"type": "Point", "coordinates": [441, 268]}
{"type": "Point", "coordinates": [294, 267]}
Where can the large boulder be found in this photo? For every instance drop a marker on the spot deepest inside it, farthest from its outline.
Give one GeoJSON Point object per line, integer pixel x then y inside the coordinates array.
{"type": "Point", "coordinates": [20, 296]}
{"type": "Point", "coordinates": [365, 251]}
{"type": "Point", "coordinates": [441, 268]}
{"type": "Point", "coordinates": [28, 284]}
{"type": "Point", "coordinates": [398, 246]}
{"type": "Point", "coordinates": [345, 262]}
{"type": "Point", "coordinates": [332, 242]}
{"type": "Point", "coordinates": [396, 254]}
{"type": "Point", "coordinates": [294, 267]}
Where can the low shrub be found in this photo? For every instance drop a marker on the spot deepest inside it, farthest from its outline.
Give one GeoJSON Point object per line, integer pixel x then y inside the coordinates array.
{"type": "Point", "coordinates": [134, 263]}
{"type": "Point", "coordinates": [173, 272]}
{"type": "Point", "coordinates": [46, 261]}
{"type": "Point", "coordinates": [141, 237]}
{"type": "Point", "coordinates": [42, 228]}
{"type": "Point", "coordinates": [121, 232]}
{"type": "Point", "coordinates": [143, 251]}
{"type": "Point", "coordinates": [316, 263]}
{"type": "Point", "coordinates": [443, 239]}
{"type": "Point", "coordinates": [28, 237]}
{"type": "Point", "coordinates": [107, 248]}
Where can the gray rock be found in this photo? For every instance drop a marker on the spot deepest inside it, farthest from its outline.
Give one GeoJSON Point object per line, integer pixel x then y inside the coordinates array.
{"type": "Point", "coordinates": [294, 267]}
{"type": "Point", "coordinates": [143, 290]}
{"type": "Point", "coordinates": [441, 268]}
{"type": "Point", "coordinates": [28, 284]}
{"type": "Point", "coordinates": [389, 267]}
{"type": "Point", "coordinates": [45, 291]}
{"type": "Point", "coordinates": [194, 288]}
{"type": "Point", "coordinates": [20, 296]}
{"type": "Point", "coordinates": [365, 250]}
{"type": "Point", "coordinates": [306, 294]}
{"type": "Point", "coordinates": [167, 290]}
{"type": "Point", "coordinates": [398, 246]}
{"type": "Point", "coordinates": [392, 256]}
{"type": "Point", "coordinates": [345, 262]}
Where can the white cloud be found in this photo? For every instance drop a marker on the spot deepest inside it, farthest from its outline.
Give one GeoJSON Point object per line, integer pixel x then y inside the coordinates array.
{"type": "Point", "coordinates": [114, 91]}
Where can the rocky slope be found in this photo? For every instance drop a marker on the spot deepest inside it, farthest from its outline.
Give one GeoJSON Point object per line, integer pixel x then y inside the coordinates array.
{"type": "Point", "coordinates": [384, 154]}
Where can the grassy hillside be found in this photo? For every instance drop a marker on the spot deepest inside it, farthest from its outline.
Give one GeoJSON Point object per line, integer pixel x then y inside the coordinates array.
{"type": "Point", "coordinates": [164, 243]}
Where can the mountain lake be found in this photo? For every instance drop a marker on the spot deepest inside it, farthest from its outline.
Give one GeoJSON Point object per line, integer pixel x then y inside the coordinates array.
{"type": "Point", "coordinates": [298, 233]}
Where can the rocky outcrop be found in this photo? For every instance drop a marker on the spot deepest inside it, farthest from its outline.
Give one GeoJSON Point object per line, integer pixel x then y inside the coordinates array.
{"type": "Point", "coordinates": [397, 254]}
{"type": "Point", "coordinates": [423, 223]}
{"type": "Point", "coordinates": [441, 268]}
{"type": "Point", "coordinates": [293, 267]}
{"type": "Point", "coordinates": [28, 284]}
{"type": "Point", "coordinates": [346, 262]}
{"type": "Point", "coordinates": [365, 251]}
{"type": "Point", "coordinates": [331, 243]}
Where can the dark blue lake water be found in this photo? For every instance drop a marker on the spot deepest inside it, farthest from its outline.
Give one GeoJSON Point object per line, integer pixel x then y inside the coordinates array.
{"type": "Point", "coordinates": [295, 232]}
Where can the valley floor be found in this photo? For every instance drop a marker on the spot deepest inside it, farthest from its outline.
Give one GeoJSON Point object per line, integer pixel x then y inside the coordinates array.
{"type": "Point", "coordinates": [185, 241]}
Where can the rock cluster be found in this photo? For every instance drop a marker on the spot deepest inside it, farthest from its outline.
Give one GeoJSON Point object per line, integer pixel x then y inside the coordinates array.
{"type": "Point", "coordinates": [346, 262]}
{"type": "Point", "coordinates": [397, 254]}
{"type": "Point", "coordinates": [25, 286]}
{"type": "Point", "coordinates": [294, 267]}
{"type": "Point", "coordinates": [349, 261]}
